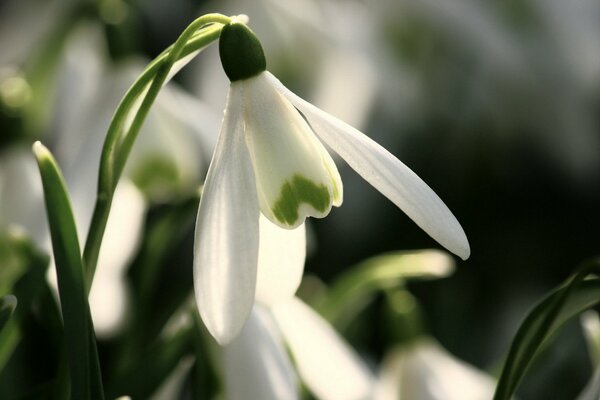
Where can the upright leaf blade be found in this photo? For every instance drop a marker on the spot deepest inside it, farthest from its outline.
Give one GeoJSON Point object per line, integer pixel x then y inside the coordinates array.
{"type": "Point", "coordinates": [569, 300]}
{"type": "Point", "coordinates": [81, 348]}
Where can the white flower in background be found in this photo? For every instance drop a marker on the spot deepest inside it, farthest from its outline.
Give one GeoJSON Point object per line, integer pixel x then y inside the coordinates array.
{"type": "Point", "coordinates": [546, 63]}
{"type": "Point", "coordinates": [22, 30]}
{"type": "Point", "coordinates": [316, 37]}
{"type": "Point", "coordinates": [269, 160]}
{"type": "Point", "coordinates": [591, 330]}
{"type": "Point", "coordinates": [423, 370]}
{"type": "Point", "coordinates": [88, 90]}
{"type": "Point", "coordinates": [255, 363]}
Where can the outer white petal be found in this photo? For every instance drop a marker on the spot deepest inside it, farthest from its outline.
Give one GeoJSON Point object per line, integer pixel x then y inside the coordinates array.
{"type": "Point", "coordinates": [386, 173]}
{"type": "Point", "coordinates": [295, 175]}
{"type": "Point", "coordinates": [328, 366]}
{"type": "Point", "coordinates": [281, 256]}
{"type": "Point", "coordinates": [226, 238]}
{"type": "Point", "coordinates": [256, 365]}
{"type": "Point", "coordinates": [425, 371]}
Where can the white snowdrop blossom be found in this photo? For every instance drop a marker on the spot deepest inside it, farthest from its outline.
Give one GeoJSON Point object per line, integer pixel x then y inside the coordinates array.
{"type": "Point", "coordinates": [270, 159]}
{"type": "Point", "coordinates": [423, 370]}
{"type": "Point", "coordinates": [256, 364]}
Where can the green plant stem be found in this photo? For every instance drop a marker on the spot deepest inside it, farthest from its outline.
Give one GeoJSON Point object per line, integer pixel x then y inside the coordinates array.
{"type": "Point", "coordinates": [119, 140]}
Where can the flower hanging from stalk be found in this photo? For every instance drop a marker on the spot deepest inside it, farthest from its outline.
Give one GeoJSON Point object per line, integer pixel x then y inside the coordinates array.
{"type": "Point", "coordinates": [270, 159]}
{"type": "Point", "coordinates": [256, 364]}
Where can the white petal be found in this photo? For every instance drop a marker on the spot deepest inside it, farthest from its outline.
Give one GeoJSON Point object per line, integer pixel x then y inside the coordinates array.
{"type": "Point", "coordinates": [295, 175]}
{"type": "Point", "coordinates": [425, 371]}
{"type": "Point", "coordinates": [123, 229]}
{"type": "Point", "coordinates": [590, 322]}
{"type": "Point", "coordinates": [386, 173]}
{"type": "Point", "coordinates": [108, 296]}
{"type": "Point", "coordinates": [108, 304]}
{"type": "Point", "coordinates": [328, 366]}
{"type": "Point", "coordinates": [281, 256]}
{"type": "Point", "coordinates": [226, 238]}
{"type": "Point", "coordinates": [256, 365]}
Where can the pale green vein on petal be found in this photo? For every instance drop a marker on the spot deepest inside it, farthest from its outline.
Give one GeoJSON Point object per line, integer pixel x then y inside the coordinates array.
{"type": "Point", "coordinates": [336, 190]}
{"type": "Point", "coordinates": [297, 191]}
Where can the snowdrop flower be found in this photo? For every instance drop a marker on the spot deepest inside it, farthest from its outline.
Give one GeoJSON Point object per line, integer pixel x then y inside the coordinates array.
{"type": "Point", "coordinates": [270, 160]}
{"type": "Point", "coordinates": [423, 370]}
{"type": "Point", "coordinates": [256, 364]}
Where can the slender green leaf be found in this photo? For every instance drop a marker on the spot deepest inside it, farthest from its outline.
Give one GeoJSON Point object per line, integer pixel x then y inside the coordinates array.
{"type": "Point", "coordinates": [564, 303]}
{"type": "Point", "coordinates": [78, 332]}
{"type": "Point", "coordinates": [358, 286]}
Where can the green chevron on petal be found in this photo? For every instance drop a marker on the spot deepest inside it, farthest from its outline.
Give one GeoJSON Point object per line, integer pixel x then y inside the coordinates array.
{"type": "Point", "coordinates": [294, 193]}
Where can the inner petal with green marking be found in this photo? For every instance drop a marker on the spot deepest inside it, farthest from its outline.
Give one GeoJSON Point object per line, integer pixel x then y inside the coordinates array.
{"type": "Point", "coordinates": [297, 191]}
{"type": "Point", "coordinates": [295, 175]}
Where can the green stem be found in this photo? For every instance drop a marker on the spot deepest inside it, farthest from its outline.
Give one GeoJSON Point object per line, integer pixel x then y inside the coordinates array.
{"type": "Point", "coordinates": [119, 140]}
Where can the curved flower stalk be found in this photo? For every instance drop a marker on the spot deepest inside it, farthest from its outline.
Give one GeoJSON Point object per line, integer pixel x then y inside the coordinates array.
{"type": "Point", "coordinates": [88, 89]}
{"type": "Point", "coordinates": [256, 364]}
{"type": "Point", "coordinates": [270, 159]}
{"type": "Point", "coordinates": [423, 370]}
{"type": "Point", "coordinates": [326, 32]}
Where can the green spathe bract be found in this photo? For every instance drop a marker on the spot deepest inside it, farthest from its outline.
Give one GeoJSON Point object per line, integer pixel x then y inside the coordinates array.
{"type": "Point", "coordinates": [295, 192]}
{"type": "Point", "coordinates": [241, 53]}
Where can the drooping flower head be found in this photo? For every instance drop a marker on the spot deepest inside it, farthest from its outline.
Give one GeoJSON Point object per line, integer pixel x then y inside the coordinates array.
{"type": "Point", "coordinates": [295, 175]}
{"type": "Point", "coordinates": [270, 159]}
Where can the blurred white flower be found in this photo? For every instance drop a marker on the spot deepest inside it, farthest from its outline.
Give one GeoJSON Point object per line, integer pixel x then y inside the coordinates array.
{"type": "Point", "coordinates": [21, 30]}
{"type": "Point", "coordinates": [309, 40]}
{"type": "Point", "coordinates": [533, 69]}
{"type": "Point", "coordinates": [423, 370]}
{"type": "Point", "coordinates": [256, 364]}
{"type": "Point", "coordinates": [172, 141]}
{"type": "Point", "coordinates": [269, 160]}
{"type": "Point", "coordinates": [591, 330]}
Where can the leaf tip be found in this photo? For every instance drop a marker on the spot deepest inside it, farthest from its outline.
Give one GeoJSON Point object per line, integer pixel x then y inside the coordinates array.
{"type": "Point", "coordinates": [40, 150]}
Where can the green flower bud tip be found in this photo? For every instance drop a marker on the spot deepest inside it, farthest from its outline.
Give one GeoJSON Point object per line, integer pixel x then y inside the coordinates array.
{"type": "Point", "coordinates": [241, 53]}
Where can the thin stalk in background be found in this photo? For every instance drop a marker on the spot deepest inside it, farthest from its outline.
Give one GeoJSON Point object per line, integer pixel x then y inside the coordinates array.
{"type": "Point", "coordinates": [121, 136]}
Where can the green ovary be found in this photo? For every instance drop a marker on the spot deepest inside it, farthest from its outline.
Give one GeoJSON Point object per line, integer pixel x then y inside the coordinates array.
{"type": "Point", "coordinates": [297, 191]}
